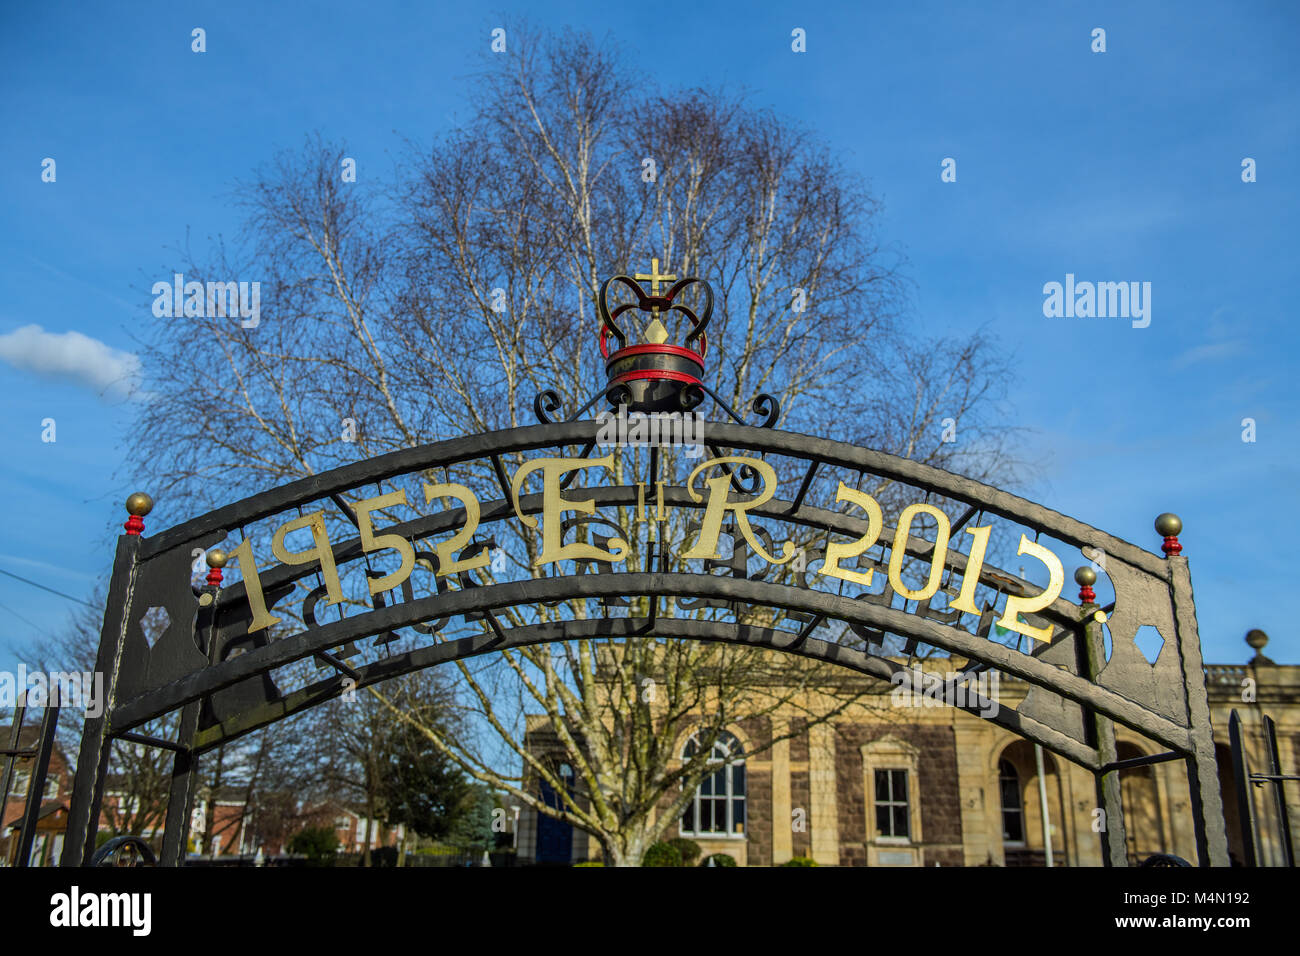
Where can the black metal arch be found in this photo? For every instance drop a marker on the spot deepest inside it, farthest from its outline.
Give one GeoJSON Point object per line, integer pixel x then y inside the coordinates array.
{"type": "Point", "coordinates": [820, 451]}
{"type": "Point", "coordinates": [1076, 694]}
{"type": "Point", "coordinates": [534, 591]}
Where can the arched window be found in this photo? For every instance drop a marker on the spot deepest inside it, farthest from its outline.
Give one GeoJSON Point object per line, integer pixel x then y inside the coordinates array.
{"type": "Point", "coordinates": [719, 805]}
{"type": "Point", "coordinates": [1013, 811]}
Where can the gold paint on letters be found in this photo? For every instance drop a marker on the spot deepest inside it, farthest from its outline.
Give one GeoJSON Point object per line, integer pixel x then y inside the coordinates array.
{"type": "Point", "coordinates": [372, 542]}
{"type": "Point", "coordinates": [446, 550]}
{"type": "Point", "coordinates": [965, 601]}
{"type": "Point", "coordinates": [1029, 605]}
{"type": "Point", "coordinates": [554, 505]}
{"type": "Point", "coordinates": [937, 555]}
{"type": "Point", "coordinates": [320, 551]}
{"type": "Point", "coordinates": [837, 551]}
{"type": "Point", "coordinates": [253, 587]}
{"type": "Point", "coordinates": [706, 546]}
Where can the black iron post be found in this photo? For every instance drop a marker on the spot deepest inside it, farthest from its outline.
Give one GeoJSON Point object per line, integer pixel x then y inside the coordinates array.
{"type": "Point", "coordinates": [1279, 789]}
{"type": "Point", "coordinates": [92, 761]}
{"type": "Point", "coordinates": [1241, 771]}
{"type": "Point", "coordinates": [36, 784]}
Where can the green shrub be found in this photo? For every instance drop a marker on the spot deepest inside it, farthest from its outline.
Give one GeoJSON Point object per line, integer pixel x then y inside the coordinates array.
{"type": "Point", "coordinates": [590, 863]}
{"type": "Point", "coordinates": [689, 849]}
{"type": "Point", "coordinates": [801, 861]}
{"type": "Point", "coordinates": [662, 854]}
{"type": "Point", "coordinates": [719, 859]}
{"type": "Point", "coordinates": [319, 844]}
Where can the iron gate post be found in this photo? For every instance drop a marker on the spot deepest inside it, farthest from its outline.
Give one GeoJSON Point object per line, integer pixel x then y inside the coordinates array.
{"type": "Point", "coordinates": [1202, 766]}
{"type": "Point", "coordinates": [1279, 790]}
{"type": "Point", "coordinates": [92, 761]}
{"type": "Point", "coordinates": [1241, 771]}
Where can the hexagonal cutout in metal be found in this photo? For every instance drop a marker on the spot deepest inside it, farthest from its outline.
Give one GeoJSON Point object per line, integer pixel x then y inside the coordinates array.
{"type": "Point", "coordinates": [154, 623]}
{"type": "Point", "coordinates": [1149, 642]}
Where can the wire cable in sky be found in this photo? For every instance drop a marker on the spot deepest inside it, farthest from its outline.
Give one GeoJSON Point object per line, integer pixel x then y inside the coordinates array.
{"type": "Point", "coordinates": [31, 624]}
{"type": "Point", "coordinates": [37, 584]}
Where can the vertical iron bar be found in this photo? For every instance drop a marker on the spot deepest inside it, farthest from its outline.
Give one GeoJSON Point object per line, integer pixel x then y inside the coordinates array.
{"type": "Point", "coordinates": [1114, 834]}
{"type": "Point", "coordinates": [803, 487]}
{"type": "Point", "coordinates": [1279, 789]}
{"type": "Point", "coordinates": [36, 784]}
{"type": "Point", "coordinates": [1202, 767]}
{"type": "Point", "coordinates": [96, 745]}
{"type": "Point", "coordinates": [1241, 771]}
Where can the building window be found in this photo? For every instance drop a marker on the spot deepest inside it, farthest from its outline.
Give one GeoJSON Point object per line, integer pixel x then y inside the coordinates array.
{"type": "Point", "coordinates": [1013, 811]}
{"type": "Point", "coordinates": [893, 815]}
{"type": "Point", "coordinates": [719, 805]}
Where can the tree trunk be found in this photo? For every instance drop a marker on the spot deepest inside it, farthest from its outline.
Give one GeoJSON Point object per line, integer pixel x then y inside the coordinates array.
{"type": "Point", "coordinates": [626, 848]}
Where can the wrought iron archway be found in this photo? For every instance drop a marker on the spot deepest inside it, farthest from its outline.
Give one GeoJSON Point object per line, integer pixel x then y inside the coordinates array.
{"type": "Point", "coordinates": [208, 665]}
{"type": "Point", "coordinates": [214, 660]}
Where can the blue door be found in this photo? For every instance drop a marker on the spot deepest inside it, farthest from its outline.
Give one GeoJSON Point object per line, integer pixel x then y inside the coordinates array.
{"type": "Point", "coordinates": [555, 837]}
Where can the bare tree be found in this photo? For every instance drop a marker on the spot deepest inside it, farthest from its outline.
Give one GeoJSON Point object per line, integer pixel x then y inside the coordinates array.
{"type": "Point", "coordinates": [443, 302]}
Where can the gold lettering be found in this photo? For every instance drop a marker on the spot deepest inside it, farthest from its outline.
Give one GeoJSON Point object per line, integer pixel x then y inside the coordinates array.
{"type": "Point", "coordinates": [554, 505]}
{"type": "Point", "coordinates": [373, 542]}
{"type": "Point", "coordinates": [447, 564]}
{"type": "Point", "coordinates": [899, 551]}
{"type": "Point", "coordinates": [253, 587]}
{"type": "Point", "coordinates": [320, 551]}
{"type": "Point", "coordinates": [1030, 605]}
{"type": "Point", "coordinates": [837, 552]}
{"type": "Point", "coordinates": [965, 601]}
{"type": "Point", "coordinates": [720, 502]}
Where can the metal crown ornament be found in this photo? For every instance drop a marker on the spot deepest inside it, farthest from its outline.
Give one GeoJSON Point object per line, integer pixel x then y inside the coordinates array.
{"type": "Point", "coordinates": [654, 375]}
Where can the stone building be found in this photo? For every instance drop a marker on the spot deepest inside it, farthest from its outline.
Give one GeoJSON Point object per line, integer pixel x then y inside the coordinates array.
{"type": "Point", "coordinates": [896, 781]}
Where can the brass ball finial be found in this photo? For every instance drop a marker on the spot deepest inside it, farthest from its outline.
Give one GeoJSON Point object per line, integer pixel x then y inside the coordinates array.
{"type": "Point", "coordinates": [1086, 577]}
{"type": "Point", "coordinates": [139, 504]}
{"type": "Point", "coordinates": [1169, 525]}
{"type": "Point", "coordinates": [217, 558]}
{"type": "Point", "coordinates": [1256, 639]}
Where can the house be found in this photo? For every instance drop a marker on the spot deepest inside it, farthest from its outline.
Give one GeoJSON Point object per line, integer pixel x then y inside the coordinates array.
{"type": "Point", "coordinates": [52, 822]}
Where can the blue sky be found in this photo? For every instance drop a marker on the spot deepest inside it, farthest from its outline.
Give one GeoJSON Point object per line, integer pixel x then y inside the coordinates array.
{"type": "Point", "coordinates": [1123, 165]}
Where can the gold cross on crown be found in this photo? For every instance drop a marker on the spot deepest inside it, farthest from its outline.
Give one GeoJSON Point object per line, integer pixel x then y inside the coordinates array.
{"type": "Point", "coordinates": [655, 332]}
{"type": "Point", "coordinates": [655, 277]}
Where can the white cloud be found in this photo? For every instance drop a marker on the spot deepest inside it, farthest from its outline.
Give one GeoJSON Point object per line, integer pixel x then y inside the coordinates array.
{"type": "Point", "coordinates": [71, 357]}
{"type": "Point", "coordinates": [1211, 352]}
